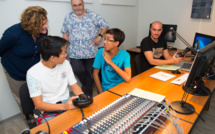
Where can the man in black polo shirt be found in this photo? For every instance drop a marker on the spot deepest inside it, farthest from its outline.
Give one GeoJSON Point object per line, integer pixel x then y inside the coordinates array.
{"type": "Point", "coordinates": [154, 49]}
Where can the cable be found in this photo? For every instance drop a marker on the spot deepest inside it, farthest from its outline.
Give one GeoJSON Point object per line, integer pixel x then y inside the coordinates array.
{"type": "Point", "coordinates": [161, 111]}
{"type": "Point", "coordinates": [210, 76]}
{"type": "Point", "coordinates": [151, 125]}
{"type": "Point", "coordinates": [38, 113]}
{"type": "Point", "coordinates": [88, 122]}
{"type": "Point", "coordinates": [167, 127]}
{"type": "Point", "coordinates": [113, 92]}
{"type": "Point", "coordinates": [174, 114]}
{"type": "Point", "coordinates": [199, 116]}
{"type": "Point", "coordinates": [186, 121]}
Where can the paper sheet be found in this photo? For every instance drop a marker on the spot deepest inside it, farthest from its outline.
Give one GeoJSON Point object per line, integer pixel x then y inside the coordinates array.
{"type": "Point", "coordinates": [180, 80]}
{"type": "Point", "coordinates": [147, 95]}
{"type": "Point", "coordinates": [162, 76]}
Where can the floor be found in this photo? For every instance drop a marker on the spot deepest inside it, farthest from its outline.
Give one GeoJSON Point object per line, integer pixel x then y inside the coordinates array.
{"type": "Point", "coordinates": [16, 124]}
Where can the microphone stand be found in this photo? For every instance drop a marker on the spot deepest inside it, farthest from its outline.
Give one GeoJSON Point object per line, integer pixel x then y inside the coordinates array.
{"type": "Point", "coordinates": [184, 41]}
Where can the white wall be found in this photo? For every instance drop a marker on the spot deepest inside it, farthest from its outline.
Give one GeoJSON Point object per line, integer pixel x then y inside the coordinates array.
{"type": "Point", "coordinates": [123, 17]}
{"type": "Point", "coordinates": [173, 12]}
{"type": "Point", "coordinates": [7, 103]}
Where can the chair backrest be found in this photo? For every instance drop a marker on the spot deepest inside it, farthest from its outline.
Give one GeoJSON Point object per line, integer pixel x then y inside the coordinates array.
{"type": "Point", "coordinates": [26, 102]}
{"type": "Point", "coordinates": [138, 64]}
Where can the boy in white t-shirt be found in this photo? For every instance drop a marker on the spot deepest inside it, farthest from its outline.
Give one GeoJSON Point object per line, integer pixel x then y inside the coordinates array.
{"type": "Point", "coordinates": [48, 79]}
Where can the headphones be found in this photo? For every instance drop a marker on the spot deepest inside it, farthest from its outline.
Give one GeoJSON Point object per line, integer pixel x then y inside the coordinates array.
{"type": "Point", "coordinates": [82, 101]}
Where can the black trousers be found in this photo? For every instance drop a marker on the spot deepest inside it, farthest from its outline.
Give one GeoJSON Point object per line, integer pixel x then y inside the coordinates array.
{"type": "Point", "coordinates": [83, 69]}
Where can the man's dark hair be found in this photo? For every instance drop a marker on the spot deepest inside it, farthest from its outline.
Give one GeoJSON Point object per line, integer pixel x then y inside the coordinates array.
{"type": "Point", "coordinates": [118, 35]}
{"type": "Point", "coordinates": [51, 46]}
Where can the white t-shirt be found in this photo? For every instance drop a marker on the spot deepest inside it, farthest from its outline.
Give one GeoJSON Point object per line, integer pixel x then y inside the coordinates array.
{"type": "Point", "coordinates": [52, 84]}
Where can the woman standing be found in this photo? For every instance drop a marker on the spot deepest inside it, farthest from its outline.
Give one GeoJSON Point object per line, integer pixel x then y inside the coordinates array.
{"type": "Point", "coordinates": [19, 49]}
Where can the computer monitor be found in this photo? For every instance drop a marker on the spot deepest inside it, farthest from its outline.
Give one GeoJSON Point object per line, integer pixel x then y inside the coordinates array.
{"type": "Point", "coordinates": [202, 63]}
{"type": "Point", "coordinates": [202, 40]}
{"type": "Point", "coordinates": [166, 28]}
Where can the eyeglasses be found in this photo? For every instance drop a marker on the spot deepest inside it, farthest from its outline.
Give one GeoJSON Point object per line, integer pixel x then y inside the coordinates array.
{"type": "Point", "coordinates": [108, 40]}
{"type": "Point", "coordinates": [79, 5]}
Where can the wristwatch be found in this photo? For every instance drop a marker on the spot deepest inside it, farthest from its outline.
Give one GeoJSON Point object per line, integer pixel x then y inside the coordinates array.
{"type": "Point", "coordinates": [100, 35]}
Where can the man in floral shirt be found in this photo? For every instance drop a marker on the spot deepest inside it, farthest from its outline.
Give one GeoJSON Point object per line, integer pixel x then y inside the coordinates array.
{"type": "Point", "coordinates": [84, 30]}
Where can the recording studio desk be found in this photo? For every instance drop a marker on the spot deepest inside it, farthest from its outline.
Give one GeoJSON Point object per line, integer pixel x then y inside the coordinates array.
{"type": "Point", "coordinates": [143, 81]}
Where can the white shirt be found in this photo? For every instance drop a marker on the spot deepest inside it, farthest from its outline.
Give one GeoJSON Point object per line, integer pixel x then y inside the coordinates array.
{"type": "Point", "coordinates": [52, 84]}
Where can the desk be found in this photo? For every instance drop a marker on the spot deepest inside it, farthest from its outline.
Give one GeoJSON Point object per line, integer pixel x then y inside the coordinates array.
{"type": "Point", "coordinates": [142, 81]}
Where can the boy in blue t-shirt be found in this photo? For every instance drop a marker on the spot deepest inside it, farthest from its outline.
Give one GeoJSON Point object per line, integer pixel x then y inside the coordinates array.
{"type": "Point", "coordinates": [113, 63]}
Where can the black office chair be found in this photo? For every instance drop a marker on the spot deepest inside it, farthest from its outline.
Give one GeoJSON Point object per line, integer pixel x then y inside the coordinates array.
{"type": "Point", "coordinates": [27, 104]}
{"type": "Point", "coordinates": [138, 65]}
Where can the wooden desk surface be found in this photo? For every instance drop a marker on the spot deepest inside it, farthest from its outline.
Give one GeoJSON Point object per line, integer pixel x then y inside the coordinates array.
{"type": "Point", "coordinates": [135, 50]}
{"type": "Point", "coordinates": [143, 81]}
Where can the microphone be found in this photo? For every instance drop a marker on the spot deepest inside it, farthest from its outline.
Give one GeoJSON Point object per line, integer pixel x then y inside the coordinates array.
{"type": "Point", "coordinates": [38, 113]}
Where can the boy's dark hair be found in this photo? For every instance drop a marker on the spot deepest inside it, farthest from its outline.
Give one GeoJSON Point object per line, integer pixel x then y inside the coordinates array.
{"type": "Point", "coordinates": [118, 35]}
{"type": "Point", "coordinates": [51, 46]}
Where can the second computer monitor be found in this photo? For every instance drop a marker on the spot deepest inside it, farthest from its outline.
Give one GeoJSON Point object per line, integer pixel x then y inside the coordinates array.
{"type": "Point", "coordinates": [202, 40]}
{"type": "Point", "coordinates": [201, 66]}
{"type": "Point", "coordinates": [166, 28]}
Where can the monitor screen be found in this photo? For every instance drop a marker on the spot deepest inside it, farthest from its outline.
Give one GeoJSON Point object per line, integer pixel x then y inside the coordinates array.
{"type": "Point", "coordinates": [202, 40]}
{"type": "Point", "coordinates": [202, 63]}
{"type": "Point", "coordinates": [166, 28]}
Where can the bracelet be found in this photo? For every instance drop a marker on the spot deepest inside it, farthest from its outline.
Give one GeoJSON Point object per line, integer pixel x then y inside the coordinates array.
{"type": "Point", "coordinates": [100, 35]}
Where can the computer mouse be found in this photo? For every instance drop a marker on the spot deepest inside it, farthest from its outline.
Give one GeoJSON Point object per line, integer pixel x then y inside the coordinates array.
{"type": "Point", "coordinates": [176, 72]}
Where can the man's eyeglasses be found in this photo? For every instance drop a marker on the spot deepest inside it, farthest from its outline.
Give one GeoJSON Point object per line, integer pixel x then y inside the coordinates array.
{"type": "Point", "coordinates": [108, 40]}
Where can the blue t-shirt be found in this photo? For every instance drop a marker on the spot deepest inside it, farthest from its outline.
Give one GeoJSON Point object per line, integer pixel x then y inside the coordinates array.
{"type": "Point", "coordinates": [109, 76]}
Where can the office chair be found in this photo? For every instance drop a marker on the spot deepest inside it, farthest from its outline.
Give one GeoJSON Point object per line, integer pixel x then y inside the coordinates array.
{"type": "Point", "coordinates": [27, 104]}
{"type": "Point", "coordinates": [138, 65]}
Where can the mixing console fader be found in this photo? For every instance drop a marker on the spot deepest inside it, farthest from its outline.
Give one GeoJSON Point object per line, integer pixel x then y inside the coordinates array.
{"type": "Point", "coordinates": [128, 114]}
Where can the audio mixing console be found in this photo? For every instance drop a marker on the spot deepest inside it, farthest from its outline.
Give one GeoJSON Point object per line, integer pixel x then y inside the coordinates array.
{"type": "Point", "coordinates": [126, 115]}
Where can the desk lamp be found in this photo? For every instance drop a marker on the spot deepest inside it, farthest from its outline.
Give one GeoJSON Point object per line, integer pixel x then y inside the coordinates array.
{"type": "Point", "coordinates": [171, 36]}
{"type": "Point", "coordinates": [182, 106]}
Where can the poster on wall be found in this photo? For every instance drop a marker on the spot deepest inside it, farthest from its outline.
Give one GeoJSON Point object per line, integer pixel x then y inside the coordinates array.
{"type": "Point", "coordinates": [86, 1]}
{"type": "Point", "coordinates": [201, 9]}
{"type": "Point", "coordinates": [120, 2]}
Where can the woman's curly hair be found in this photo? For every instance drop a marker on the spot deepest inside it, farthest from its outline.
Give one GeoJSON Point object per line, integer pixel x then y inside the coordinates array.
{"type": "Point", "coordinates": [32, 19]}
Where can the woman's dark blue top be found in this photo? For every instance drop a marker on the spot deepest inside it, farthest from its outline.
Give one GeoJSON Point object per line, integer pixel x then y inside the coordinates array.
{"type": "Point", "coordinates": [18, 51]}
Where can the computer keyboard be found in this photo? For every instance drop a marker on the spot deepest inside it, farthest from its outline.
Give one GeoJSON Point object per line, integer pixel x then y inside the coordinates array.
{"type": "Point", "coordinates": [189, 55]}
{"type": "Point", "coordinates": [180, 80]}
{"type": "Point", "coordinates": [186, 66]}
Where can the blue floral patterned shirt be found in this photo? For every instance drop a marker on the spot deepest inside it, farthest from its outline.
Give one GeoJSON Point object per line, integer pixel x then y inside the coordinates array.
{"type": "Point", "coordinates": [82, 32]}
